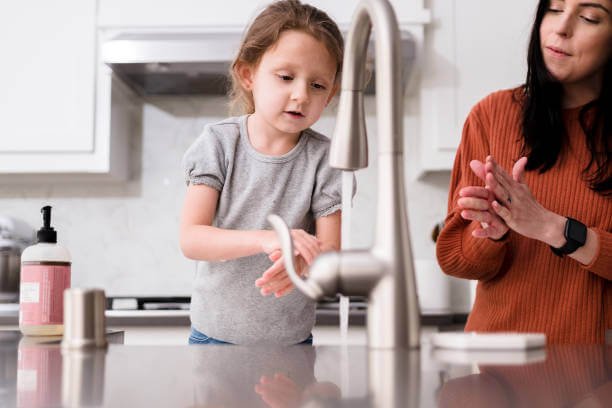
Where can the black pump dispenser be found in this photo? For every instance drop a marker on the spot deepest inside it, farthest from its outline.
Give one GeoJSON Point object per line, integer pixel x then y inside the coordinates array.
{"type": "Point", "coordinates": [46, 233]}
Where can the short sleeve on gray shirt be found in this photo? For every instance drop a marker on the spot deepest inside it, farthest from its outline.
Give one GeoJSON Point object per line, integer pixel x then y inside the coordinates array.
{"type": "Point", "coordinates": [299, 186]}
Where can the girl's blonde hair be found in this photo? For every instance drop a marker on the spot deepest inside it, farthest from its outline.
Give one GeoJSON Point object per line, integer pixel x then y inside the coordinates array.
{"type": "Point", "coordinates": [265, 30]}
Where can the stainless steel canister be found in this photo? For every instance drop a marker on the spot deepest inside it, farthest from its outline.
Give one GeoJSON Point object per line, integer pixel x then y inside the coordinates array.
{"type": "Point", "coordinates": [15, 235]}
{"type": "Point", "coordinates": [84, 320]}
{"type": "Point", "coordinates": [10, 255]}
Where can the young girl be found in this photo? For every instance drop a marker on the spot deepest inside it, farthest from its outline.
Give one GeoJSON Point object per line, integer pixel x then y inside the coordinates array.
{"type": "Point", "coordinates": [267, 161]}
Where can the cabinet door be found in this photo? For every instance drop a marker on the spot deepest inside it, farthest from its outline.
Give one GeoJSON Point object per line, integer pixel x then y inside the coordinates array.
{"type": "Point", "coordinates": [47, 76]}
{"type": "Point", "coordinates": [173, 13]}
{"type": "Point", "coordinates": [473, 48]}
{"type": "Point", "coordinates": [234, 13]}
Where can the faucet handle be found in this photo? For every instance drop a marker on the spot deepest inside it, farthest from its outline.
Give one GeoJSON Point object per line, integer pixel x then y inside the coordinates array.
{"type": "Point", "coordinates": [310, 289]}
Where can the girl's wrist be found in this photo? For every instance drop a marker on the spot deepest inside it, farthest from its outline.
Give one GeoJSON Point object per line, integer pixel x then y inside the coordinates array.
{"type": "Point", "coordinates": [263, 239]}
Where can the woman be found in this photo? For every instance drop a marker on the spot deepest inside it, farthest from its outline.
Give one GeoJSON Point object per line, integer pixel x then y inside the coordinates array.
{"type": "Point", "coordinates": [538, 237]}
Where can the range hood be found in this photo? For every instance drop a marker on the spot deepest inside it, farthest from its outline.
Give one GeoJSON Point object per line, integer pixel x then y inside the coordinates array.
{"type": "Point", "coordinates": [172, 63]}
{"type": "Point", "coordinates": [191, 63]}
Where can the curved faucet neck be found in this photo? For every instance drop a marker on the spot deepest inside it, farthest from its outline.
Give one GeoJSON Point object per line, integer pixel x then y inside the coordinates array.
{"type": "Point", "coordinates": [379, 15]}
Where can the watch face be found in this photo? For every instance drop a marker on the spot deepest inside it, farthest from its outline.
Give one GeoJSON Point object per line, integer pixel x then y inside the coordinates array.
{"type": "Point", "coordinates": [576, 232]}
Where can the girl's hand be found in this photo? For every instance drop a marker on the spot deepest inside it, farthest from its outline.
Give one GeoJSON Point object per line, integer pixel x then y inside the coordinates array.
{"type": "Point", "coordinates": [279, 391]}
{"type": "Point", "coordinates": [308, 246]}
{"type": "Point", "coordinates": [275, 279]}
{"type": "Point", "coordinates": [515, 204]}
{"type": "Point", "coordinates": [475, 203]}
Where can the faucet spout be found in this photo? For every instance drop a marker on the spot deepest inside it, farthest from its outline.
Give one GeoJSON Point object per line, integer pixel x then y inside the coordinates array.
{"type": "Point", "coordinates": [349, 148]}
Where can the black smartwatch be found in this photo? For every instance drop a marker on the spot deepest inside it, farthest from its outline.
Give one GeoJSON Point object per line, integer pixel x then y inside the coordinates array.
{"type": "Point", "coordinates": [575, 236]}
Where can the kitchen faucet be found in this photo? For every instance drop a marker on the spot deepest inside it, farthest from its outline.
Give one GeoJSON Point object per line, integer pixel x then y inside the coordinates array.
{"type": "Point", "coordinates": [384, 273]}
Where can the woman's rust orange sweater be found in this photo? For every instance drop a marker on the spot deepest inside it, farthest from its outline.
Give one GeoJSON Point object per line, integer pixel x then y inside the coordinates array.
{"type": "Point", "coordinates": [522, 285]}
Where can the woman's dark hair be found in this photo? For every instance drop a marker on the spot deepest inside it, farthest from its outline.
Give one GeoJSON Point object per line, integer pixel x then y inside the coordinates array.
{"type": "Point", "coordinates": [544, 133]}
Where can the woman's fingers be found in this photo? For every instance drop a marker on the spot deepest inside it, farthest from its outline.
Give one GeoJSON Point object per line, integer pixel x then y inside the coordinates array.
{"type": "Point", "coordinates": [501, 176]}
{"type": "Point", "coordinates": [473, 203]}
{"type": "Point", "coordinates": [474, 191]}
{"type": "Point", "coordinates": [495, 229]}
{"type": "Point", "coordinates": [478, 168]}
{"type": "Point", "coordinates": [518, 170]}
{"type": "Point", "coordinates": [494, 233]}
{"type": "Point", "coordinates": [503, 212]}
{"type": "Point", "coordinates": [499, 182]}
{"type": "Point", "coordinates": [491, 225]}
{"type": "Point", "coordinates": [498, 190]}
{"type": "Point", "coordinates": [480, 216]}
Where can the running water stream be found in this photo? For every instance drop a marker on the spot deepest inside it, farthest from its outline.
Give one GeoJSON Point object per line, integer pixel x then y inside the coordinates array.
{"type": "Point", "coordinates": [344, 317]}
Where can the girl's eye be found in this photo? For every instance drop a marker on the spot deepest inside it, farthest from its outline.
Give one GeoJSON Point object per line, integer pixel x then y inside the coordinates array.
{"type": "Point", "coordinates": [554, 10]}
{"type": "Point", "coordinates": [318, 86]}
{"type": "Point", "coordinates": [285, 77]}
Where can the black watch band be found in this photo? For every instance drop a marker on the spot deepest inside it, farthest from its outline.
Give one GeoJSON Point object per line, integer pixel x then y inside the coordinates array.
{"type": "Point", "coordinates": [575, 234]}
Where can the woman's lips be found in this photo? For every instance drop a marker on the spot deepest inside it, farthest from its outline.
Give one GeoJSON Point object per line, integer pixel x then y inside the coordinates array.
{"type": "Point", "coordinates": [558, 52]}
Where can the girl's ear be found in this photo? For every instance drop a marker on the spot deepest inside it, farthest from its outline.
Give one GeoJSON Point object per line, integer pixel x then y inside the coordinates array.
{"type": "Point", "coordinates": [245, 75]}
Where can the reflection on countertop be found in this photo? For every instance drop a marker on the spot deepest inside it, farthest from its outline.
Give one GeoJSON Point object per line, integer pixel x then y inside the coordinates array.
{"type": "Point", "coordinates": [570, 376]}
{"type": "Point", "coordinates": [38, 375]}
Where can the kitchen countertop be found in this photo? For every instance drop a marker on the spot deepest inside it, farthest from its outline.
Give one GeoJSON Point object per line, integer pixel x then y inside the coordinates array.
{"type": "Point", "coordinates": [325, 316]}
{"type": "Point", "coordinates": [321, 376]}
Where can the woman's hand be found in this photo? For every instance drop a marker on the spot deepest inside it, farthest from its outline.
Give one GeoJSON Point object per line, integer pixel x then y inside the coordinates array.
{"type": "Point", "coordinates": [519, 209]}
{"type": "Point", "coordinates": [305, 244]}
{"type": "Point", "coordinates": [475, 203]}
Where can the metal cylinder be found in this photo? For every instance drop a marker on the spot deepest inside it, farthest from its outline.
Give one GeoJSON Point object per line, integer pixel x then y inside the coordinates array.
{"type": "Point", "coordinates": [84, 320]}
{"type": "Point", "coordinates": [10, 256]}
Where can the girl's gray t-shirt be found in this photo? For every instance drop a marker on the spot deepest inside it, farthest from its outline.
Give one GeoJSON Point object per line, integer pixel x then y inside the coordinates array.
{"type": "Point", "coordinates": [299, 186]}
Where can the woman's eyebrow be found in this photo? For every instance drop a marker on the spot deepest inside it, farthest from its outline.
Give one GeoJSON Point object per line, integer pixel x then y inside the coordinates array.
{"type": "Point", "coordinates": [595, 5]}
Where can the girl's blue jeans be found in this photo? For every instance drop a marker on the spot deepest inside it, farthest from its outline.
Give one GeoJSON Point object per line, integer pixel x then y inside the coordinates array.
{"type": "Point", "coordinates": [197, 337]}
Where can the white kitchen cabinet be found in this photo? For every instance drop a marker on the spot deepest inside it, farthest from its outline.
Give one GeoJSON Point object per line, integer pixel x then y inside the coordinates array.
{"type": "Point", "coordinates": [467, 50]}
{"type": "Point", "coordinates": [49, 97]}
{"type": "Point", "coordinates": [471, 49]}
{"type": "Point", "coordinates": [236, 13]}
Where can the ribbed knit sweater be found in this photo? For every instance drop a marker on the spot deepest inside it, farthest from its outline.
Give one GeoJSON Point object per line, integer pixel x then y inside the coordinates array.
{"type": "Point", "coordinates": [522, 285]}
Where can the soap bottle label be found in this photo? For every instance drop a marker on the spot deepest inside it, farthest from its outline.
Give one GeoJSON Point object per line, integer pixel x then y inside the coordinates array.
{"type": "Point", "coordinates": [41, 299]}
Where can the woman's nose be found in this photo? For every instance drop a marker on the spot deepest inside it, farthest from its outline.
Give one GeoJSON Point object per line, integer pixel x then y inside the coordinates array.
{"type": "Point", "coordinates": [564, 25]}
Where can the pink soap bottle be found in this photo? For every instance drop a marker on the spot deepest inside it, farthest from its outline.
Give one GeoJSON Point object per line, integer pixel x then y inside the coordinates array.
{"type": "Point", "coordinates": [45, 274]}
